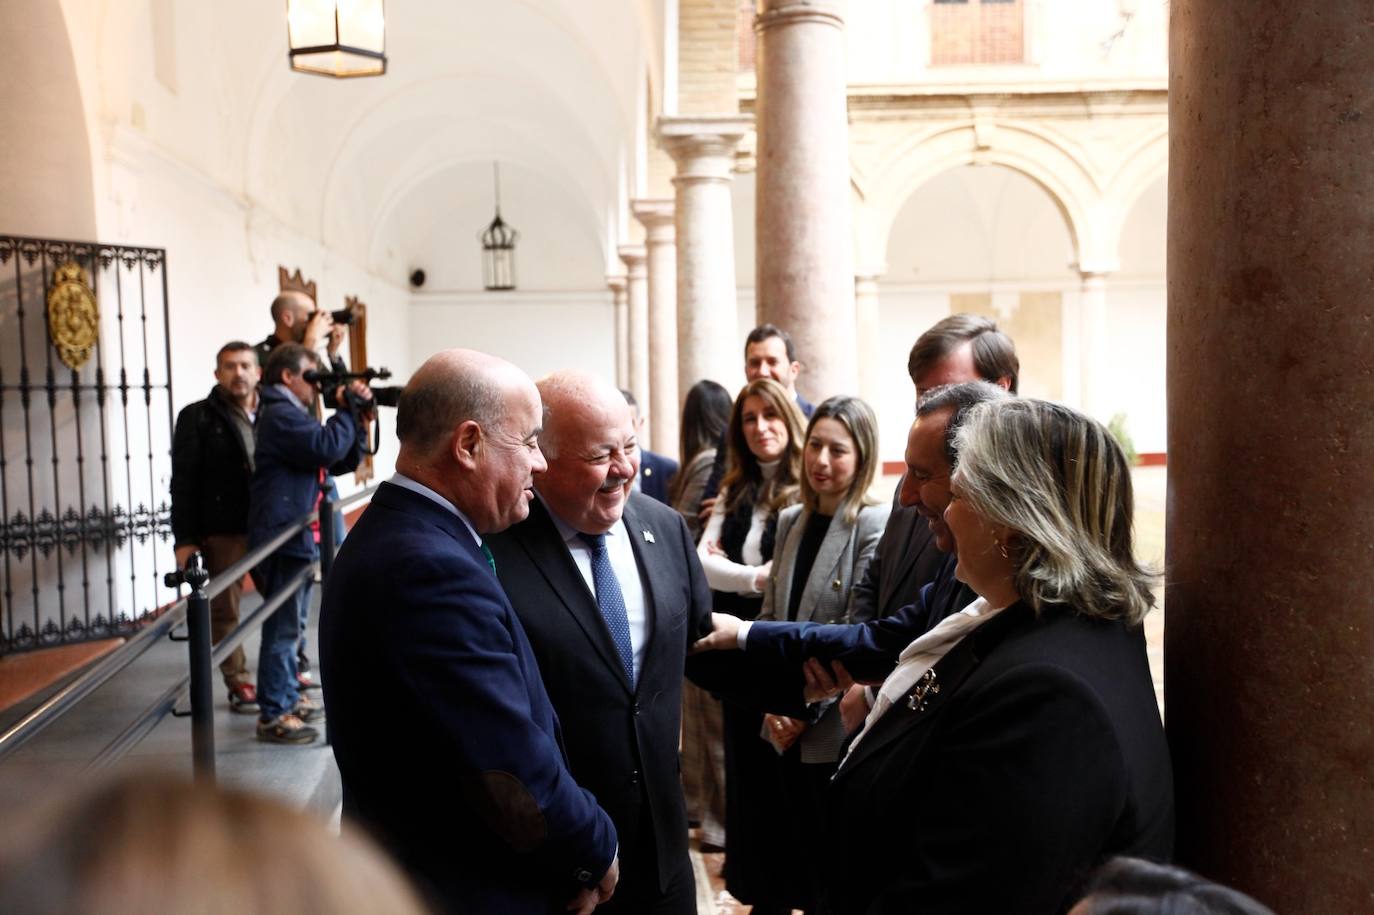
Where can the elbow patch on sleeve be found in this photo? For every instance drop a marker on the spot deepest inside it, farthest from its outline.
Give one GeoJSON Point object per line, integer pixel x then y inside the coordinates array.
{"type": "Point", "coordinates": [508, 807]}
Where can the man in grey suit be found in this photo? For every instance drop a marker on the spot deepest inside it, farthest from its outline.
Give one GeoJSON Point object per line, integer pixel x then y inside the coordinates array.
{"type": "Point", "coordinates": [607, 585]}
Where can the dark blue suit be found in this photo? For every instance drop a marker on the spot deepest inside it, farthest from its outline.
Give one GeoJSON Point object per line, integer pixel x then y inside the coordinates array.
{"type": "Point", "coordinates": [446, 740]}
{"type": "Point", "coordinates": [655, 473]}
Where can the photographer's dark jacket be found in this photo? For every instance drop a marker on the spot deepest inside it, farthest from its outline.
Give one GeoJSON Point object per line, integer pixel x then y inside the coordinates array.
{"type": "Point", "coordinates": [211, 466]}
{"type": "Point", "coordinates": [292, 446]}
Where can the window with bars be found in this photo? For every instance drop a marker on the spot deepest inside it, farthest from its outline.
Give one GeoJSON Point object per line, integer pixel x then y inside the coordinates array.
{"type": "Point", "coordinates": [977, 32]}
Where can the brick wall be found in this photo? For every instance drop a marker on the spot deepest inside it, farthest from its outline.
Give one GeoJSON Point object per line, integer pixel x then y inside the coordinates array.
{"type": "Point", "coordinates": [977, 32]}
{"type": "Point", "coordinates": [708, 55]}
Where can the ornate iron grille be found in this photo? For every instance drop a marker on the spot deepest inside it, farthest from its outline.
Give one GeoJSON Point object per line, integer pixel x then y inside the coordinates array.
{"type": "Point", "coordinates": [85, 454]}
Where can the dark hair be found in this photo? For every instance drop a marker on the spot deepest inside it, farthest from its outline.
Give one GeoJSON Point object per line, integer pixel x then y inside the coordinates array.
{"type": "Point", "coordinates": [1132, 886]}
{"type": "Point", "coordinates": [287, 357]}
{"type": "Point", "coordinates": [960, 398]}
{"type": "Point", "coordinates": [862, 425]}
{"type": "Point", "coordinates": [234, 346]}
{"type": "Point", "coordinates": [705, 413]}
{"type": "Point", "coordinates": [767, 332]}
{"type": "Point", "coordinates": [629, 398]}
{"type": "Point", "coordinates": [743, 480]}
{"type": "Point", "coordinates": [994, 355]}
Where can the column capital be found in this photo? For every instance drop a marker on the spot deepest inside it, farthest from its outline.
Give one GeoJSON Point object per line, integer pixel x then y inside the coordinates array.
{"type": "Point", "coordinates": [656, 215]}
{"type": "Point", "coordinates": [774, 13]}
{"type": "Point", "coordinates": [618, 282]}
{"type": "Point", "coordinates": [703, 146]}
{"type": "Point", "coordinates": [634, 257]}
{"type": "Point", "coordinates": [1094, 270]}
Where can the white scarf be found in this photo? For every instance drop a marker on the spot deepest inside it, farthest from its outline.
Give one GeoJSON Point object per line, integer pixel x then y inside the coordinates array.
{"type": "Point", "coordinates": [923, 654]}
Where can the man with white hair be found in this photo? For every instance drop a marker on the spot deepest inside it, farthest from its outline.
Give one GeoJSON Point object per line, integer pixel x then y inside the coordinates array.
{"type": "Point", "coordinates": [447, 744]}
{"type": "Point", "coordinates": [608, 586]}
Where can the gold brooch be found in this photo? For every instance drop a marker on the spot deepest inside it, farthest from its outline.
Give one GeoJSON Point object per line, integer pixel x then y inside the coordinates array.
{"type": "Point", "coordinates": [923, 690]}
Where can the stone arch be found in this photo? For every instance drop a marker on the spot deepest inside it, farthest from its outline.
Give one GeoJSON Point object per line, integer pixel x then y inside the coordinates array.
{"type": "Point", "coordinates": [1021, 147]}
{"type": "Point", "coordinates": [1140, 169]}
{"type": "Point", "coordinates": [47, 185]}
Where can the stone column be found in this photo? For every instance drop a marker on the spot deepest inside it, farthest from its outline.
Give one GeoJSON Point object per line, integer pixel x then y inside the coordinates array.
{"type": "Point", "coordinates": [637, 311]}
{"type": "Point", "coordinates": [869, 330]}
{"type": "Point", "coordinates": [707, 312]}
{"type": "Point", "coordinates": [1092, 342]}
{"type": "Point", "coordinates": [1269, 646]}
{"type": "Point", "coordinates": [620, 299]}
{"type": "Point", "coordinates": [662, 405]}
{"type": "Point", "coordinates": [803, 222]}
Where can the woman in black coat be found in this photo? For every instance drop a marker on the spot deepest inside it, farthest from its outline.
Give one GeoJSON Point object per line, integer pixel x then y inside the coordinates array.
{"type": "Point", "coordinates": [1017, 744]}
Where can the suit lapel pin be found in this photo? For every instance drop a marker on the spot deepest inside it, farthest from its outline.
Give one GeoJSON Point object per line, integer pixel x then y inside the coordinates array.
{"type": "Point", "coordinates": [648, 537]}
{"type": "Point", "coordinates": [648, 471]}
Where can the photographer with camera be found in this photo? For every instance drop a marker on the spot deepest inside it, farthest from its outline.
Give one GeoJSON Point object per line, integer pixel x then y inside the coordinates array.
{"type": "Point", "coordinates": [293, 459]}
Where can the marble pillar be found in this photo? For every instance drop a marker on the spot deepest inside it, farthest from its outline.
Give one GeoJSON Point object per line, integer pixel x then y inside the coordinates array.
{"type": "Point", "coordinates": [659, 242]}
{"type": "Point", "coordinates": [703, 148]}
{"type": "Point", "coordinates": [637, 311]}
{"type": "Point", "coordinates": [804, 254]}
{"type": "Point", "coordinates": [869, 330]}
{"type": "Point", "coordinates": [620, 300]}
{"type": "Point", "coordinates": [1269, 642]}
{"type": "Point", "coordinates": [1092, 343]}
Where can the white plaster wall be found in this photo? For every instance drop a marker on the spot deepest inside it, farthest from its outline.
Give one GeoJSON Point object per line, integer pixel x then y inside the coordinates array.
{"type": "Point", "coordinates": [539, 332]}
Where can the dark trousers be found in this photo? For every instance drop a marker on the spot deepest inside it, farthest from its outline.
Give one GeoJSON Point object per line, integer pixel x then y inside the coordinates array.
{"type": "Point", "coordinates": [220, 552]}
{"type": "Point", "coordinates": [277, 688]}
{"type": "Point", "coordinates": [638, 891]}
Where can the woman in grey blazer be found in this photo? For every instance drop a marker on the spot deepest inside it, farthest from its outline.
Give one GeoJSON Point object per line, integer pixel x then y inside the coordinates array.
{"type": "Point", "coordinates": [823, 547]}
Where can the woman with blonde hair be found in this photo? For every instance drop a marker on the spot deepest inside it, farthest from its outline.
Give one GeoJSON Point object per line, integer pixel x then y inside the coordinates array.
{"type": "Point", "coordinates": [824, 545]}
{"type": "Point", "coordinates": [1017, 743]}
{"type": "Point", "coordinates": [153, 843]}
{"type": "Point", "coordinates": [763, 467]}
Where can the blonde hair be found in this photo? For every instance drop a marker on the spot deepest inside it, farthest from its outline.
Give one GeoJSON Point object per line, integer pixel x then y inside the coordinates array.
{"type": "Point", "coordinates": [743, 478]}
{"type": "Point", "coordinates": [858, 420]}
{"type": "Point", "coordinates": [1060, 481]}
{"type": "Point", "coordinates": [159, 843]}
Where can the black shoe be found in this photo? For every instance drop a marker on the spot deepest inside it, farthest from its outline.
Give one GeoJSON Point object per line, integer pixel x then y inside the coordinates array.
{"type": "Point", "coordinates": [286, 729]}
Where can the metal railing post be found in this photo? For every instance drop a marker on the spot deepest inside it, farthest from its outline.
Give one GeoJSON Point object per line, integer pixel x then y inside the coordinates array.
{"type": "Point", "coordinates": [198, 650]}
{"type": "Point", "coordinates": [327, 544]}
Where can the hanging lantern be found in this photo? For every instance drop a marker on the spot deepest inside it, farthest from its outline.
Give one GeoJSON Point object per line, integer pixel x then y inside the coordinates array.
{"type": "Point", "coordinates": [339, 38]}
{"type": "Point", "coordinates": [498, 248]}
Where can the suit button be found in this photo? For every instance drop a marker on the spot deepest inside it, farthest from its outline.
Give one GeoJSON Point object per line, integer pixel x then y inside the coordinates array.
{"type": "Point", "coordinates": [634, 777]}
{"type": "Point", "coordinates": [634, 710]}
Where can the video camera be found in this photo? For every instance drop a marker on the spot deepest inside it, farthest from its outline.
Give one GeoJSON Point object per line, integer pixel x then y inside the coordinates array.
{"type": "Point", "coordinates": [385, 395]}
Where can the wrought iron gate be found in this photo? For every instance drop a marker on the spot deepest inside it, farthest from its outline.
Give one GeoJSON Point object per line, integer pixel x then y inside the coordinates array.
{"type": "Point", "coordinates": [85, 453]}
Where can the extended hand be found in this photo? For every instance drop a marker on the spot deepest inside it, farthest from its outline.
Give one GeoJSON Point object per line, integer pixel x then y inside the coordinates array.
{"type": "Point", "coordinates": [854, 709]}
{"type": "Point", "coordinates": [821, 683]}
{"type": "Point", "coordinates": [724, 634]}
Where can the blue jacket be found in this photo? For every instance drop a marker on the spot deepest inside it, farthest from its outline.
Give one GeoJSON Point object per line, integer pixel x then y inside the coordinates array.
{"type": "Point", "coordinates": [448, 746]}
{"type": "Point", "coordinates": [655, 473]}
{"type": "Point", "coordinates": [292, 446]}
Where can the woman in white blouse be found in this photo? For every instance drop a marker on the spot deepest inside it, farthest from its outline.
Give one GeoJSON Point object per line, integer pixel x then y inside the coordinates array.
{"type": "Point", "coordinates": [762, 474]}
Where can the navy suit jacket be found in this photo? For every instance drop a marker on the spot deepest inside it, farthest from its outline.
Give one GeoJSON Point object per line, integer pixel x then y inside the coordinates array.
{"type": "Point", "coordinates": [655, 473]}
{"type": "Point", "coordinates": [448, 746]}
{"type": "Point", "coordinates": [290, 448]}
{"type": "Point", "coordinates": [622, 739]}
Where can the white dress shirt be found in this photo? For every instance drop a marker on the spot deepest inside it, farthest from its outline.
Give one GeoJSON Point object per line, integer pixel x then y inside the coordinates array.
{"type": "Point", "coordinates": [626, 568]}
{"type": "Point", "coordinates": [405, 482]}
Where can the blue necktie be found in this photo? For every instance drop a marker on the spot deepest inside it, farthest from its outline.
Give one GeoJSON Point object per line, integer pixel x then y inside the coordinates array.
{"type": "Point", "coordinates": [611, 601]}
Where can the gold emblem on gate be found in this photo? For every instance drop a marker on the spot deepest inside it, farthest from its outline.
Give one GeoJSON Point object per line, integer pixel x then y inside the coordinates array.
{"type": "Point", "coordinates": [73, 316]}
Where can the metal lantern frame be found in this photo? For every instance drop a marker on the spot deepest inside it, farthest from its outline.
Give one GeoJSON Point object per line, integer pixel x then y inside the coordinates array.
{"type": "Point", "coordinates": [298, 56]}
{"type": "Point", "coordinates": [498, 247]}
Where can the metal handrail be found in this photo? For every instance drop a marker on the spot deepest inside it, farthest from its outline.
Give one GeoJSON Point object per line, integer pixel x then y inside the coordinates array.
{"type": "Point", "coordinates": [151, 716]}
{"type": "Point", "coordinates": [61, 702]}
